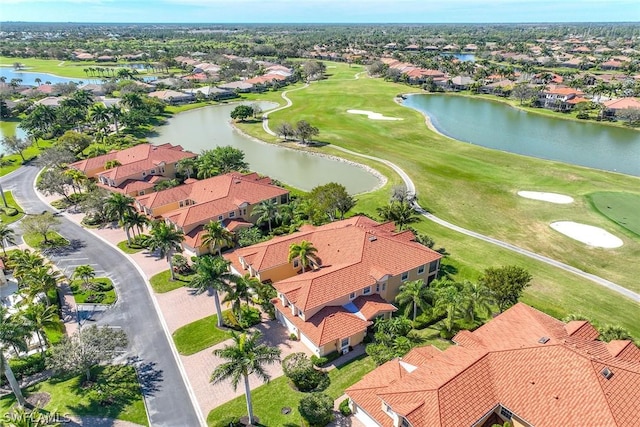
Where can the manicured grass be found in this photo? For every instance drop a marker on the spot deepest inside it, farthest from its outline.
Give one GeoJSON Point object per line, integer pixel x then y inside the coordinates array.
{"type": "Point", "coordinates": [68, 397]}
{"type": "Point", "coordinates": [8, 219]}
{"type": "Point", "coordinates": [431, 336]}
{"type": "Point", "coordinates": [55, 333]}
{"type": "Point", "coordinates": [35, 240]}
{"type": "Point", "coordinates": [269, 399]}
{"type": "Point", "coordinates": [124, 247]}
{"type": "Point", "coordinates": [162, 282]}
{"type": "Point", "coordinates": [468, 185]}
{"type": "Point", "coordinates": [71, 69]}
{"type": "Point", "coordinates": [621, 208]}
{"type": "Point", "coordinates": [80, 294]}
{"type": "Point", "coordinates": [199, 335]}
{"type": "Point", "coordinates": [14, 161]}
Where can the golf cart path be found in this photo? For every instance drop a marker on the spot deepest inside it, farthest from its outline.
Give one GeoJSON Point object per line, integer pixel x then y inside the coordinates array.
{"type": "Point", "coordinates": [411, 188]}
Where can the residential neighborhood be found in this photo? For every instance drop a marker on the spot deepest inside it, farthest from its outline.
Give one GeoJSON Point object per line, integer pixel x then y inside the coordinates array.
{"type": "Point", "coordinates": [319, 223]}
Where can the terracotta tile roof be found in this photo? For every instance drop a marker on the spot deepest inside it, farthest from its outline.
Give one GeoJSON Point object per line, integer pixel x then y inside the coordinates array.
{"type": "Point", "coordinates": [582, 329]}
{"type": "Point", "coordinates": [622, 103]}
{"type": "Point", "coordinates": [213, 196]}
{"type": "Point", "coordinates": [557, 382]}
{"type": "Point", "coordinates": [559, 90]}
{"type": "Point", "coordinates": [353, 254]}
{"type": "Point", "coordinates": [146, 153]}
{"type": "Point", "coordinates": [372, 305]}
{"type": "Point", "coordinates": [328, 325]}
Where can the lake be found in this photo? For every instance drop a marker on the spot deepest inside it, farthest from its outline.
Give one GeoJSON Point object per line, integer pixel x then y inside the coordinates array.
{"type": "Point", "coordinates": [502, 127]}
{"type": "Point", "coordinates": [209, 127]}
{"type": "Point", "coordinates": [29, 78]}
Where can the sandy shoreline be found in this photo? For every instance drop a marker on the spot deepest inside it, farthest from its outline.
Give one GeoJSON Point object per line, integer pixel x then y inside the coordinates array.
{"type": "Point", "coordinates": [382, 180]}
{"type": "Point", "coordinates": [427, 119]}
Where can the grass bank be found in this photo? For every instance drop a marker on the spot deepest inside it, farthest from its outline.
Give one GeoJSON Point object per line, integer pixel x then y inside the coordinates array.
{"type": "Point", "coordinates": [199, 335]}
{"type": "Point", "coordinates": [162, 282]}
{"type": "Point", "coordinates": [6, 213]}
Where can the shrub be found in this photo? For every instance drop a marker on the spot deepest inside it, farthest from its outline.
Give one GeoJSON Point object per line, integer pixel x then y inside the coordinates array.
{"type": "Point", "coordinates": [318, 361]}
{"type": "Point", "coordinates": [344, 407]}
{"type": "Point", "coordinates": [250, 316]}
{"type": "Point", "coordinates": [293, 337]}
{"type": "Point", "coordinates": [95, 297]}
{"type": "Point", "coordinates": [299, 369]}
{"type": "Point", "coordinates": [316, 409]}
{"type": "Point", "coordinates": [582, 115]}
{"type": "Point", "coordinates": [228, 422]}
{"type": "Point", "coordinates": [25, 366]}
{"type": "Point", "coordinates": [100, 286]}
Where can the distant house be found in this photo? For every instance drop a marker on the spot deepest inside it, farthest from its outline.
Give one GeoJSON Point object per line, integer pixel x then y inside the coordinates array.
{"type": "Point", "coordinates": [50, 101]}
{"type": "Point", "coordinates": [133, 171]}
{"type": "Point", "coordinates": [461, 82]}
{"type": "Point", "coordinates": [95, 89]}
{"type": "Point", "coordinates": [354, 279]}
{"type": "Point", "coordinates": [612, 64]}
{"type": "Point", "coordinates": [228, 198]}
{"type": "Point", "coordinates": [522, 367]}
{"type": "Point", "coordinates": [615, 105]}
{"type": "Point", "coordinates": [172, 96]}
{"type": "Point", "coordinates": [237, 86]}
{"type": "Point", "coordinates": [213, 92]}
{"type": "Point", "coordinates": [501, 87]}
{"type": "Point", "coordinates": [560, 98]}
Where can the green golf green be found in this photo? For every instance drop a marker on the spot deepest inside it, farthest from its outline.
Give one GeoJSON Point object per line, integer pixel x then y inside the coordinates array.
{"type": "Point", "coordinates": [621, 208]}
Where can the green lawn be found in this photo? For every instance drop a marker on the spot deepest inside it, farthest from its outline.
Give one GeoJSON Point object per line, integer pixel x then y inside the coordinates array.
{"type": "Point", "coordinates": [199, 335]}
{"type": "Point", "coordinates": [14, 161]}
{"type": "Point", "coordinates": [35, 240]}
{"type": "Point", "coordinates": [124, 247]}
{"type": "Point", "coordinates": [621, 208]}
{"type": "Point", "coordinates": [269, 399]}
{"type": "Point", "coordinates": [80, 294]}
{"type": "Point", "coordinates": [8, 219]}
{"type": "Point", "coordinates": [162, 282]}
{"type": "Point", "coordinates": [68, 397]}
{"type": "Point", "coordinates": [475, 188]}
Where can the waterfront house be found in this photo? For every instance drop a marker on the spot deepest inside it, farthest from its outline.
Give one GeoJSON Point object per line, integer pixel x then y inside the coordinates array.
{"type": "Point", "coordinates": [523, 367]}
{"type": "Point", "coordinates": [355, 277]}
{"type": "Point", "coordinates": [560, 98]}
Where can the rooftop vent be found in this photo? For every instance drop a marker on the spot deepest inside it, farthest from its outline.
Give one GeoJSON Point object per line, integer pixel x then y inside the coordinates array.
{"type": "Point", "coordinates": [372, 238]}
{"type": "Point", "coordinates": [544, 340]}
{"type": "Point", "coordinates": [607, 373]}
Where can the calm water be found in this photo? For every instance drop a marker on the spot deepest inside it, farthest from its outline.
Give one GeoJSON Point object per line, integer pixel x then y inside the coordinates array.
{"type": "Point", "coordinates": [495, 125]}
{"type": "Point", "coordinates": [30, 78]}
{"type": "Point", "coordinates": [209, 127]}
{"type": "Point", "coordinates": [464, 57]}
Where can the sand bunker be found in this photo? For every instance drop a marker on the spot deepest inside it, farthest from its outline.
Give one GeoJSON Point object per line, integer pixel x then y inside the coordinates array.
{"type": "Point", "coordinates": [372, 115]}
{"type": "Point", "coordinates": [588, 234]}
{"type": "Point", "coordinates": [546, 197]}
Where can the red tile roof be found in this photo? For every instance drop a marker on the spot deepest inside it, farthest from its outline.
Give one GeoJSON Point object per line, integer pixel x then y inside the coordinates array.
{"type": "Point", "coordinates": [354, 253]}
{"type": "Point", "coordinates": [505, 362]}
{"type": "Point", "coordinates": [622, 103]}
{"type": "Point", "coordinates": [371, 306]}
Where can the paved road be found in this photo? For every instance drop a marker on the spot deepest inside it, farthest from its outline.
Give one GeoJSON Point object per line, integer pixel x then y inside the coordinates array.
{"type": "Point", "coordinates": [411, 188]}
{"type": "Point", "coordinates": [166, 394]}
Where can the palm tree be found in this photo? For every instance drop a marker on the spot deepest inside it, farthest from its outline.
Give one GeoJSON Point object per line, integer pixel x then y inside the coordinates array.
{"type": "Point", "coordinates": [98, 113]}
{"type": "Point", "coordinates": [401, 213]}
{"type": "Point", "coordinates": [239, 292]}
{"type": "Point", "coordinates": [166, 240]}
{"type": "Point", "coordinates": [84, 273]}
{"type": "Point", "coordinates": [186, 166]}
{"type": "Point", "coordinates": [7, 237]}
{"type": "Point", "coordinates": [243, 358]}
{"type": "Point", "coordinates": [24, 261]}
{"type": "Point", "coordinates": [119, 205]}
{"type": "Point", "coordinates": [12, 334]}
{"type": "Point", "coordinates": [41, 316]}
{"type": "Point", "coordinates": [132, 100]}
{"type": "Point", "coordinates": [212, 274]}
{"type": "Point", "coordinates": [266, 211]}
{"type": "Point", "coordinates": [414, 294]}
{"type": "Point", "coordinates": [115, 112]}
{"type": "Point", "coordinates": [136, 220]}
{"type": "Point", "coordinates": [39, 280]}
{"type": "Point", "coordinates": [38, 81]}
{"type": "Point", "coordinates": [447, 299]}
{"type": "Point", "coordinates": [216, 236]}
{"type": "Point", "coordinates": [77, 178]}
{"type": "Point", "coordinates": [305, 252]}
{"type": "Point", "coordinates": [476, 300]}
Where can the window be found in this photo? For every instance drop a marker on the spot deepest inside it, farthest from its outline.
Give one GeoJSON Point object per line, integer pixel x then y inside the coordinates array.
{"type": "Point", "coordinates": [433, 266]}
{"type": "Point", "coordinates": [421, 269]}
{"type": "Point", "coordinates": [141, 193]}
{"type": "Point", "coordinates": [405, 423]}
{"type": "Point", "coordinates": [283, 199]}
{"type": "Point", "coordinates": [344, 343]}
{"type": "Point", "coordinates": [232, 214]}
{"type": "Point", "coordinates": [181, 203]}
{"type": "Point", "coordinates": [352, 295]}
{"type": "Point", "coordinates": [506, 413]}
{"type": "Point", "coordinates": [296, 263]}
{"type": "Point", "coordinates": [153, 171]}
{"type": "Point", "coordinates": [384, 286]}
{"type": "Point", "coordinates": [143, 173]}
{"type": "Point", "coordinates": [274, 200]}
{"type": "Point", "coordinates": [377, 287]}
{"type": "Point", "coordinates": [220, 217]}
{"type": "Point", "coordinates": [405, 276]}
{"type": "Point", "coordinates": [366, 291]}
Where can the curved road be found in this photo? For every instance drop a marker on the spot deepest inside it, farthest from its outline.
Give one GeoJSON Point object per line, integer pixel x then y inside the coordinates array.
{"type": "Point", "coordinates": [167, 397]}
{"type": "Point", "coordinates": [411, 188]}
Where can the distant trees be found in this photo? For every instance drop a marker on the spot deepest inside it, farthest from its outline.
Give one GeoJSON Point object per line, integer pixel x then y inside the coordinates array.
{"type": "Point", "coordinates": [285, 130]}
{"type": "Point", "coordinates": [305, 131]}
{"type": "Point", "coordinates": [15, 145]}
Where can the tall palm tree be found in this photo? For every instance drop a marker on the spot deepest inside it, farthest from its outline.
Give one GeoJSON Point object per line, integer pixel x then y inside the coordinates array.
{"type": "Point", "coordinates": [77, 177]}
{"type": "Point", "coordinates": [7, 237]}
{"type": "Point", "coordinates": [136, 220]}
{"type": "Point", "coordinates": [39, 317]}
{"type": "Point", "coordinates": [476, 300]}
{"type": "Point", "coordinates": [13, 334]}
{"type": "Point", "coordinates": [216, 236]}
{"type": "Point", "coordinates": [212, 274]}
{"type": "Point", "coordinates": [239, 292]}
{"type": "Point", "coordinates": [305, 252]}
{"type": "Point", "coordinates": [98, 113]}
{"type": "Point", "coordinates": [414, 294]}
{"type": "Point", "coordinates": [243, 358]}
{"type": "Point", "coordinates": [166, 240]}
{"type": "Point", "coordinates": [115, 112]}
{"type": "Point", "coordinates": [24, 261]}
{"type": "Point", "coordinates": [447, 299]}
{"type": "Point", "coordinates": [401, 213]}
{"type": "Point", "coordinates": [186, 166]}
{"type": "Point", "coordinates": [266, 211]}
{"type": "Point", "coordinates": [132, 100]}
{"type": "Point", "coordinates": [40, 280]}
{"type": "Point", "coordinates": [120, 205]}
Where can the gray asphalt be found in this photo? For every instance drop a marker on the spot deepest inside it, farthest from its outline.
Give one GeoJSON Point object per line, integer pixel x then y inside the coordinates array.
{"type": "Point", "coordinates": [166, 395]}
{"type": "Point", "coordinates": [411, 188]}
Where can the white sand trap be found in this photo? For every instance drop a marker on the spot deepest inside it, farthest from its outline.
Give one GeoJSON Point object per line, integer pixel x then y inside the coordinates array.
{"type": "Point", "coordinates": [372, 115]}
{"type": "Point", "coordinates": [588, 234]}
{"type": "Point", "coordinates": [546, 197]}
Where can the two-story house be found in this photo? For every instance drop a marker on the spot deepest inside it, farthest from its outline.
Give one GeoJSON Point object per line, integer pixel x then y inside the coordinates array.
{"type": "Point", "coordinates": [523, 367]}
{"type": "Point", "coordinates": [134, 171]}
{"type": "Point", "coordinates": [359, 268]}
{"type": "Point", "coordinates": [228, 198]}
{"type": "Point", "coordinates": [560, 98]}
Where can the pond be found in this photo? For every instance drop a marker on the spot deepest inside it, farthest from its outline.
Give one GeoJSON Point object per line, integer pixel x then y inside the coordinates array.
{"type": "Point", "coordinates": [502, 127]}
{"type": "Point", "coordinates": [209, 127]}
{"type": "Point", "coordinates": [464, 57]}
{"type": "Point", "coordinates": [29, 78]}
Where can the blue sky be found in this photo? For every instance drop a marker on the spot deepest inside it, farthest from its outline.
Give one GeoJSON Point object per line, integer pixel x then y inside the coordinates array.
{"type": "Point", "coordinates": [268, 11]}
